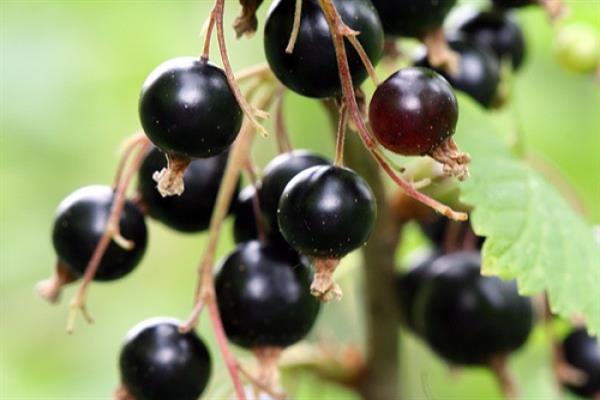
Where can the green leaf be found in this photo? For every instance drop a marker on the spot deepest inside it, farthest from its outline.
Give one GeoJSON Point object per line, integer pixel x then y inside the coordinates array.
{"type": "Point", "coordinates": [533, 235]}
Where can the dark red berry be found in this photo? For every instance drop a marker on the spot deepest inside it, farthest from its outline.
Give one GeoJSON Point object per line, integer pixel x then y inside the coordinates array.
{"type": "Point", "coordinates": [263, 296]}
{"type": "Point", "coordinates": [497, 31]}
{"type": "Point", "coordinates": [467, 318]}
{"type": "Point", "coordinates": [80, 222]}
{"type": "Point", "coordinates": [478, 72]}
{"type": "Point", "coordinates": [311, 69]}
{"type": "Point", "coordinates": [157, 362]}
{"type": "Point", "coordinates": [413, 111]}
{"type": "Point", "coordinates": [278, 173]}
{"type": "Point", "coordinates": [412, 17]}
{"type": "Point", "coordinates": [326, 212]}
{"type": "Point", "coordinates": [187, 108]}
{"type": "Point", "coordinates": [192, 210]}
{"type": "Point", "coordinates": [582, 352]}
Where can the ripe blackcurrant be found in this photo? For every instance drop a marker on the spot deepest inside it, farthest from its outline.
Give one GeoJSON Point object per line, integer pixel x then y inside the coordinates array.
{"type": "Point", "coordinates": [187, 108]}
{"type": "Point", "coordinates": [191, 211]}
{"type": "Point", "coordinates": [158, 362]}
{"type": "Point", "coordinates": [410, 283]}
{"type": "Point", "coordinates": [81, 221]}
{"type": "Point", "coordinates": [263, 296]}
{"type": "Point", "coordinates": [412, 17]}
{"type": "Point", "coordinates": [413, 112]}
{"type": "Point", "coordinates": [497, 31]}
{"type": "Point", "coordinates": [478, 72]}
{"type": "Point", "coordinates": [326, 211]}
{"type": "Point", "coordinates": [582, 353]}
{"type": "Point", "coordinates": [311, 69]}
{"type": "Point", "coordinates": [467, 318]}
{"type": "Point", "coordinates": [278, 173]}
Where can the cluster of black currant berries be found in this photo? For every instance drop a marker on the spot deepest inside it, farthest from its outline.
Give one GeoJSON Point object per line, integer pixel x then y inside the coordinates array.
{"type": "Point", "coordinates": [303, 210]}
{"type": "Point", "coordinates": [471, 320]}
{"type": "Point", "coordinates": [466, 318]}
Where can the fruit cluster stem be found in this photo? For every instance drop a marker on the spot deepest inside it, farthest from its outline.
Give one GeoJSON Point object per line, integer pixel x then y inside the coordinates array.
{"type": "Point", "coordinates": [250, 112]}
{"type": "Point", "coordinates": [205, 290]}
{"type": "Point", "coordinates": [337, 28]}
{"type": "Point", "coordinates": [110, 233]}
{"type": "Point", "coordinates": [284, 144]}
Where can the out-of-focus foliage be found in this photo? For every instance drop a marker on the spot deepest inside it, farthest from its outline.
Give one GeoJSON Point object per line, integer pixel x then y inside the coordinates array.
{"type": "Point", "coordinates": [70, 77]}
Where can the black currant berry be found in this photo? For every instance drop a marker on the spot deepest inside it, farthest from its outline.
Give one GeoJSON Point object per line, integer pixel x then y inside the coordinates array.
{"type": "Point", "coordinates": [413, 112]}
{"type": "Point", "coordinates": [410, 283]}
{"type": "Point", "coordinates": [478, 72]}
{"type": "Point", "coordinates": [80, 222]}
{"type": "Point", "coordinates": [582, 353]}
{"type": "Point", "coordinates": [497, 31]}
{"type": "Point", "coordinates": [191, 211]}
{"type": "Point", "coordinates": [263, 296]}
{"type": "Point", "coordinates": [157, 362]}
{"type": "Point", "coordinates": [326, 212]}
{"type": "Point", "coordinates": [311, 69]}
{"type": "Point", "coordinates": [278, 173]}
{"type": "Point", "coordinates": [187, 108]}
{"type": "Point", "coordinates": [413, 18]}
{"type": "Point", "coordinates": [467, 318]}
{"type": "Point", "coordinates": [449, 235]}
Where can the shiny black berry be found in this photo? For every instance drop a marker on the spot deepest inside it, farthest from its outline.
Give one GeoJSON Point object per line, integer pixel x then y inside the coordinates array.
{"type": "Point", "coordinates": [410, 283]}
{"type": "Point", "coordinates": [157, 362]}
{"type": "Point", "coordinates": [263, 296]}
{"type": "Point", "coordinates": [326, 212]}
{"type": "Point", "coordinates": [582, 353]}
{"type": "Point", "coordinates": [467, 318]}
{"type": "Point", "coordinates": [81, 220]}
{"type": "Point", "coordinates": [497, 31]}
{"type": "Point", "coordinates": [478, 73]}
{"type": "Point", "coordinates": [278, 173]}
{"type": "Point", "coordinates": [191, 211]}
{"type": "Point", "coordinates": [311, 69]}
{"type": "Point", "coordinates": [413, 111]}
{"type": "Point", "coordinates": [412, 17]}
{"type": "Point", "coordinates": [187, 108]}
{"type": "Point", "coordinates": [245, 227]}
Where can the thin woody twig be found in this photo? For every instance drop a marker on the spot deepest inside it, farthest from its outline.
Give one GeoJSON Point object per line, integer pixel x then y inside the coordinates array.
{"type": "Point", "coordinates": [111, 232]}
{"type": "Point", "coordinates": [251, 113]}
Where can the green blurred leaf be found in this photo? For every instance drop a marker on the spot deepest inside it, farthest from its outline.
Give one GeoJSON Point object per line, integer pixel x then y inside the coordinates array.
{"type": "Point", "coordinates": [532, 233]}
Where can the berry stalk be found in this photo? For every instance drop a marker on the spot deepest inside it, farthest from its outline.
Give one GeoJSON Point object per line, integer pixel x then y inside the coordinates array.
{"type": "Point", "coordinates": [111, 233]}
{"type": "Point", "coordinates": [205, 291]}
{"type": "Point", "coordinates": [377, 378]}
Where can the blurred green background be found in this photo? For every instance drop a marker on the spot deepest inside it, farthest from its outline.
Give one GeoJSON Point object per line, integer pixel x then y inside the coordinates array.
{"type": "Point", "coordinates": [70, 77]}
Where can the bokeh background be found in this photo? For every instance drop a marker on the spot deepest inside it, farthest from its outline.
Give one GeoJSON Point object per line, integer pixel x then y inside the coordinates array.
{"type": "Point", "coordinates": [70, 77]}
